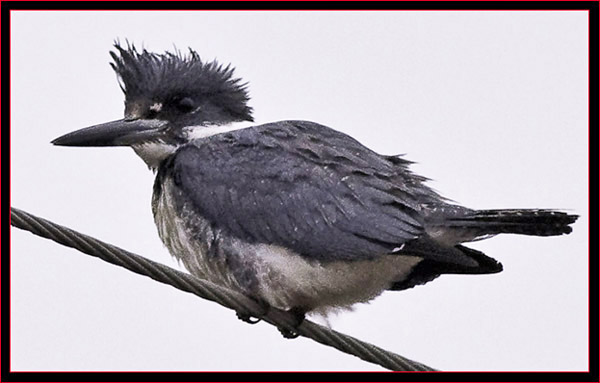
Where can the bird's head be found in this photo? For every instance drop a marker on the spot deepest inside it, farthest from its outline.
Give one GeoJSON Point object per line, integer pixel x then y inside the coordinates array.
{"type": "Point", "coordinates": [170, 99]}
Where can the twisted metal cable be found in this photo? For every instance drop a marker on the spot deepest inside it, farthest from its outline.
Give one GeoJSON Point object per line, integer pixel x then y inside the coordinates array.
{"type": "Point", "coordinates": [207, 290]}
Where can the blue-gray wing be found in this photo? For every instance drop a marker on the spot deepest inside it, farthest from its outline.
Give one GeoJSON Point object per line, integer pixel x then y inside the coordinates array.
{"type": "Point", "coordinates": [302, 186]}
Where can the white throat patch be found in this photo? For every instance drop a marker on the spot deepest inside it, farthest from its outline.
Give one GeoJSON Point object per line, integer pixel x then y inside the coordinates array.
{"type": "Point", "coordinates": [154, 152]}
{"type": "Point", "coordinates": [203, 131]}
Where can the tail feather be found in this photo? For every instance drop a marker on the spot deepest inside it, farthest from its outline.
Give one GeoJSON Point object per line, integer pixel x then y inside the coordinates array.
{"type": "Point", "coordinates": [450, 225]}
{"type": "Point", "coordinates": [515, 221]}
{"type": "Point", "coordinates": [430, 268]}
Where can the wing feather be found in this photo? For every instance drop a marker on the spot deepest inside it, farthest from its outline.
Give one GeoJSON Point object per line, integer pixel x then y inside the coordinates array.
{"type": "Point", "coordinates": [303, 186]}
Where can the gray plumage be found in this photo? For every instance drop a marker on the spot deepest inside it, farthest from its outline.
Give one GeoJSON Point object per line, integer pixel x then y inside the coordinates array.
{"type": "Point", "coordinates": [303, 186]}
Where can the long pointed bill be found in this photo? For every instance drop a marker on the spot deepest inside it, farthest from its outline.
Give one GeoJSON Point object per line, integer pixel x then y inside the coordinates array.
{"type": "Point", "coordinates": [114, 133]}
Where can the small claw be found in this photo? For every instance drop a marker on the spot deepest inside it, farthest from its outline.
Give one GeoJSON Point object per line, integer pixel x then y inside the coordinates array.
{"type": "Point", "coordinates": [254, 319]}
{"type": "Point", "coordinates": [247, 318]}
{"type": "Point", "coordinates": [288, 334]}
{"type": "Point", "coordinates": [299, 314]}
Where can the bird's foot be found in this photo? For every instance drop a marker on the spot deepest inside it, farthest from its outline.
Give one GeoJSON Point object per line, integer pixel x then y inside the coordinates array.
{"type": "Point", "coordinates": [252, 318]}
{"type": "Point", "coordinates": [247, 318]}
{"type": "Point", "coordinates": [291, 332]}
{"type": "Point", "coordinates": [288, 334]}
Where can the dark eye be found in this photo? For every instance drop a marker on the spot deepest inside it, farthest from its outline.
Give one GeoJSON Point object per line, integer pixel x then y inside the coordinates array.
{"type": "Point", "coordinates": [185, 105]}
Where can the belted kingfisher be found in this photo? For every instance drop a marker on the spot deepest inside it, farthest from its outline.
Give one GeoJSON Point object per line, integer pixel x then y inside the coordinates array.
{"type": "Point", "coordinates": [291, 213]}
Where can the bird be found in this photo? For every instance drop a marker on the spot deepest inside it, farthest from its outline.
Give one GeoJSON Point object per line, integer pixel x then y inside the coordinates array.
{"type": "Point", "coordinates": [293, 214]}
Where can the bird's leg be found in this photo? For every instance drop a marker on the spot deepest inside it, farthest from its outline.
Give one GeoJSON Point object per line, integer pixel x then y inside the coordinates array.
{"type": "Point", "coordinates": [252, 319]}
{"type": "Point", "coordinates": [299, 314]}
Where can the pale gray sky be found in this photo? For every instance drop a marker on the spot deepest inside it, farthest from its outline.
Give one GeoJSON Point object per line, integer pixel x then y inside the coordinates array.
{"type": "Point", "coordinates": [492, 106]}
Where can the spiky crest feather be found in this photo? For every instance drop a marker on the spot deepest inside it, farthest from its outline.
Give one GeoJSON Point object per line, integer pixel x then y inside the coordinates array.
{"type": "Point", "coordinates": [161, 77]}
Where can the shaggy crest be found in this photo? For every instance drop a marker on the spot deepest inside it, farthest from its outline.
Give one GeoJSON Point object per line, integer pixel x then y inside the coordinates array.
{"type": "Point", "coordinates": [163, 77]}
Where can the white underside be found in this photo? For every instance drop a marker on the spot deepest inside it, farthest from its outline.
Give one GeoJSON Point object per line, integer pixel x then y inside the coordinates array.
{"type": "Point", "coordinates": [290, 280]}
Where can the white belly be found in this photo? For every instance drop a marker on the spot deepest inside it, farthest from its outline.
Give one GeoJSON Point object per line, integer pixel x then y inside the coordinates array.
{"type": "Point", "coordinates": [289, 280]}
